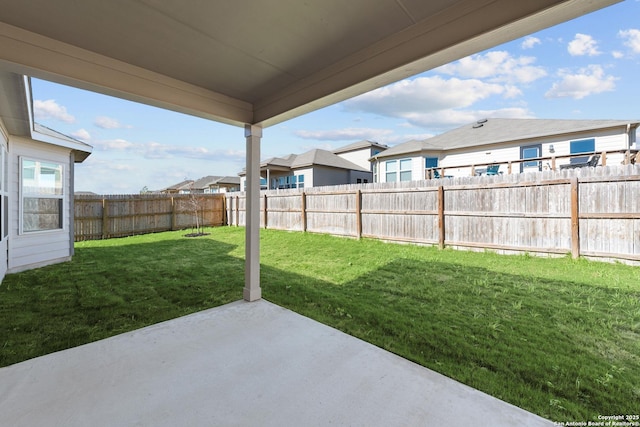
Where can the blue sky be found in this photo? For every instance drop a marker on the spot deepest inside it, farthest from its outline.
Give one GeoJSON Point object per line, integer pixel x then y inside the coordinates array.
{"type": "Point", "coordinates": [587, 68]}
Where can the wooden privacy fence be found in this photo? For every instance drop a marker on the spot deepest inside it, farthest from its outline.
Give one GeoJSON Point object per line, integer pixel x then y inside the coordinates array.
{"type": "Point", "coordinates": [589, 212]}
{"type": "Point", "coordinates": [103, 217]}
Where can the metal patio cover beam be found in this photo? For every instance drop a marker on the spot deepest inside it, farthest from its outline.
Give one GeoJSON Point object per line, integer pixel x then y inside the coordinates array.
{"type": "Point", "coordinates": [256, 61]}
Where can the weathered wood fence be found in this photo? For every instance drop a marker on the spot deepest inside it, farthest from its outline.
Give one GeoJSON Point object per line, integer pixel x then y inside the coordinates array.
{"type": "Point", "coordinates": [103, 217]}
{"type": "Point", "coordinates": [589, 212]}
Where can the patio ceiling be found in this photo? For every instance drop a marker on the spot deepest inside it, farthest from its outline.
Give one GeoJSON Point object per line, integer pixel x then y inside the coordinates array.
{"type": "Point", "coordinates": [256, 61]}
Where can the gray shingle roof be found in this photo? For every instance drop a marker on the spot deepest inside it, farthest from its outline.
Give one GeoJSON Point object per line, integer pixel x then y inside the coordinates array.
{"type": "Point", "coordinates": [323, 158]}
{"type": "Point", "coordinates": [312, 157]}
{"type": "Point", "coordinates": [359, 146]}
{"type": "Point", "coordinates": [206, 181]}
{"type": "Point", "coordinates": [495, 131]}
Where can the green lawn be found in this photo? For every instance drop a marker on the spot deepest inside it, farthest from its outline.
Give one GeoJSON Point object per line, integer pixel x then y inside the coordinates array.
{"type": "Point", "coordinates": [558, 337]}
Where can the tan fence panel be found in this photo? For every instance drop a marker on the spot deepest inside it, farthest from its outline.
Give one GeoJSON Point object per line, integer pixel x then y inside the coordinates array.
{"type": "Point", "coordinates": [101, 217]}
{"type": "Point", "coordinates": [530, 212]}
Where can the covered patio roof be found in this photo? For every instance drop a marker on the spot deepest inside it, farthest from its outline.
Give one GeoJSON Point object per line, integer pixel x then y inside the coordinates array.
{"type": "Point", "coordinates": [256, 61]}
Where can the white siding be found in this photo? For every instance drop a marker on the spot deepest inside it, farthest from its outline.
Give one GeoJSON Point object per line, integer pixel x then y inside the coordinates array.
{"type": "Point", "coordinates": [359, 157]}
{"type": "Point", "coordinates": [605, 140]}
{"type": "Point", "coordinates": [3, 242]}
{"type": "Point", "coordinates": [37, 248]}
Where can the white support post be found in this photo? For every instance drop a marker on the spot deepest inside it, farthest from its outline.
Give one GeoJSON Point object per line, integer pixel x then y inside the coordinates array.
{"type": "Point", "coordinates": [252, 291]}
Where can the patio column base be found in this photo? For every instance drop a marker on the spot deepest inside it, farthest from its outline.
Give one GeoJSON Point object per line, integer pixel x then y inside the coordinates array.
{"type": "Point", "coordinates": [251, 295]}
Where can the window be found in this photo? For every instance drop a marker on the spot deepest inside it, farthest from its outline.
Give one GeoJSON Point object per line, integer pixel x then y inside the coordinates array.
{"type": "Point", "coordinates": [405, 170]}
{"type": "Point", "coordinates": [430, 162]}
{"type": "Point", "coordinates": [290, 181]}
{"type": "Point", "coordinates": [42, 195]}
{"type": "Point", "coordinates": [530, 152]}
{"type": "Point", "coordinates": [392, 171]}
{"type": "Point", "coordinates": [582, 146]}
{"type": "Point", "coordinates": [375, 171]}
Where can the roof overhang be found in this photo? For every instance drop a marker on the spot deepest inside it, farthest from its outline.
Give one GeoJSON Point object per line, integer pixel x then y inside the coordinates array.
{"type": "Point", "coordinates": [16, 112]}
{"type": "Point", "coordinates": [250, 62]}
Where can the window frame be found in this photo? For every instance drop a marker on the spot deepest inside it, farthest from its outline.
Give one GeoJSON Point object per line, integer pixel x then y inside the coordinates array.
{"type": "Point", "coordinates": [393, 173]}
{"type": "Point", "coordinates": [402, 173]}
{"type": "Point", "coordinates": [26, 194]}
{"type": "Point", "coordinates": [592, 144]}
{"type": "Point", "coordinates": [426, 162]}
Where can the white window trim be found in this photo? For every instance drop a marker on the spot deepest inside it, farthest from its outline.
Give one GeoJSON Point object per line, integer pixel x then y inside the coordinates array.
{"type": "Point", "coordinates": [410, 170]}
{"type": "Point", "coordinates": [22, 196]}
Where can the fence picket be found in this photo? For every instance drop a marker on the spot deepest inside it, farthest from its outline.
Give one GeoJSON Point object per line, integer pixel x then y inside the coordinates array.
{"type": "Point", "coordinates": [593, 212]}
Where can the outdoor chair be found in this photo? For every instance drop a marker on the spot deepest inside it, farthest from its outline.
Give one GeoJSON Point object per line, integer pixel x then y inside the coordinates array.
{"type": "Point", "coordinates": [493, 169]}
{"type": "Point", "coordinates": [592, 162]}
{"type": "Point", "coordinates": [436, 175]}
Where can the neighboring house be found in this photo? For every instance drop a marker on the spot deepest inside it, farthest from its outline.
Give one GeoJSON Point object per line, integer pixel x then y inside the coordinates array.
{"type": "Point", "coordinates": [207, 185]}
{"type": "Point", "coordinates": [183, 187]}
{"type": "Point", "coordinates": [502, 141]}
{"type": "Point", "coordinates": [36, 183]}
{"type": "Point", "coordinates": [317, 167]}
{"type": "Point", "coordinates": [217, 184]}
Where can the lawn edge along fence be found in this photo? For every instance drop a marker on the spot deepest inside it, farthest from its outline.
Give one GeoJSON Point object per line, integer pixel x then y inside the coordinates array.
{"type": "Point", "coordinates": [104, 217]}
{"type": "Point", "coordinates": [590, 212]}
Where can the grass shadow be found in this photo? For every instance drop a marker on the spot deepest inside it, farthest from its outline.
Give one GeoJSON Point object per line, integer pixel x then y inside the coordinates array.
{"type": "Point", "coordinates": [564, 350]}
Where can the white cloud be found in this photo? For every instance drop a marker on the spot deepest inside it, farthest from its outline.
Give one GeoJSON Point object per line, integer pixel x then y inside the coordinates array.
{"type": "Point", "coordinates": [530, 42]}
{"type": "Point", "coordinates": [587, 81]}
{"type": "Point", "coordinates": [113, 144]}
{"type": "Point", "coordinates": [632, 39]}
{"type": "Point", "coordinates": [617, 54]}
{"type": "Point", "coordinates": [346, 134]}
{"type": "Point", "coordinates": [424, 94]}
{"type": "Point", "coordinates": [155, 150]}
{"type": "Point", "coordinates": [82, 134]}
{"type": "Point", "coordinates": [434, 102]}
{"type": "Point", "coordinates": [496, 66]}
{"type": "Point", "coordinates": [105, 122]}
{"type": "Point", "coordinates": [583, 44]}
{"type": "Point", "coordinates": [50, 109]}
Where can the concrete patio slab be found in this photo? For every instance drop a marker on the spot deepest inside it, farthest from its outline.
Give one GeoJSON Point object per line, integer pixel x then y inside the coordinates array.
{"type": "Point", "coordinates": [242, 364]}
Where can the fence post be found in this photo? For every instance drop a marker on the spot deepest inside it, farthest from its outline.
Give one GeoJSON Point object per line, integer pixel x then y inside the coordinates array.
{"type": "Point", "coordinates": [173, 214]}
{"type": "Point", "coordinates": [237, 211]}
{"type": "Point", "coordinates": [265, 211]}
{"type": "Point", "coordinates": [303, 211]}
{"type": "Point", "coordinates": [604, 159]}
{"type": "Point", "coordinates": [358, 213]}
{"type": "Point", "coordinates": [575, 219]}
{"type": "Point", "coordinates": [441, 216]}
{"type": "Point", "coordinates": [105, 219]}
{"type": "Point", "coordinates": [224, 210]}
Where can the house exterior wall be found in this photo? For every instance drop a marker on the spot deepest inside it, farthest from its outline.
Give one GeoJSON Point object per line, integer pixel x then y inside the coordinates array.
{"type": "Point", "coordinates": [323, 176]}
{"type": "Point", "coordinates": [360, 157]}
{"type": "Point", "coordinates": [4, 199]}
{"type": "Point", "coordinates": [605, 140]}
{"type": "Point", "coordinates": [416, 167]}
{"type": "Point", "coordinates": [37, 248]}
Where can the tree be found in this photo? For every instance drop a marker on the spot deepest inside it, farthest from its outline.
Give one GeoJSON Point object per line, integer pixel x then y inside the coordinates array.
{"type": "Point", "coordinates": [195, 204]}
